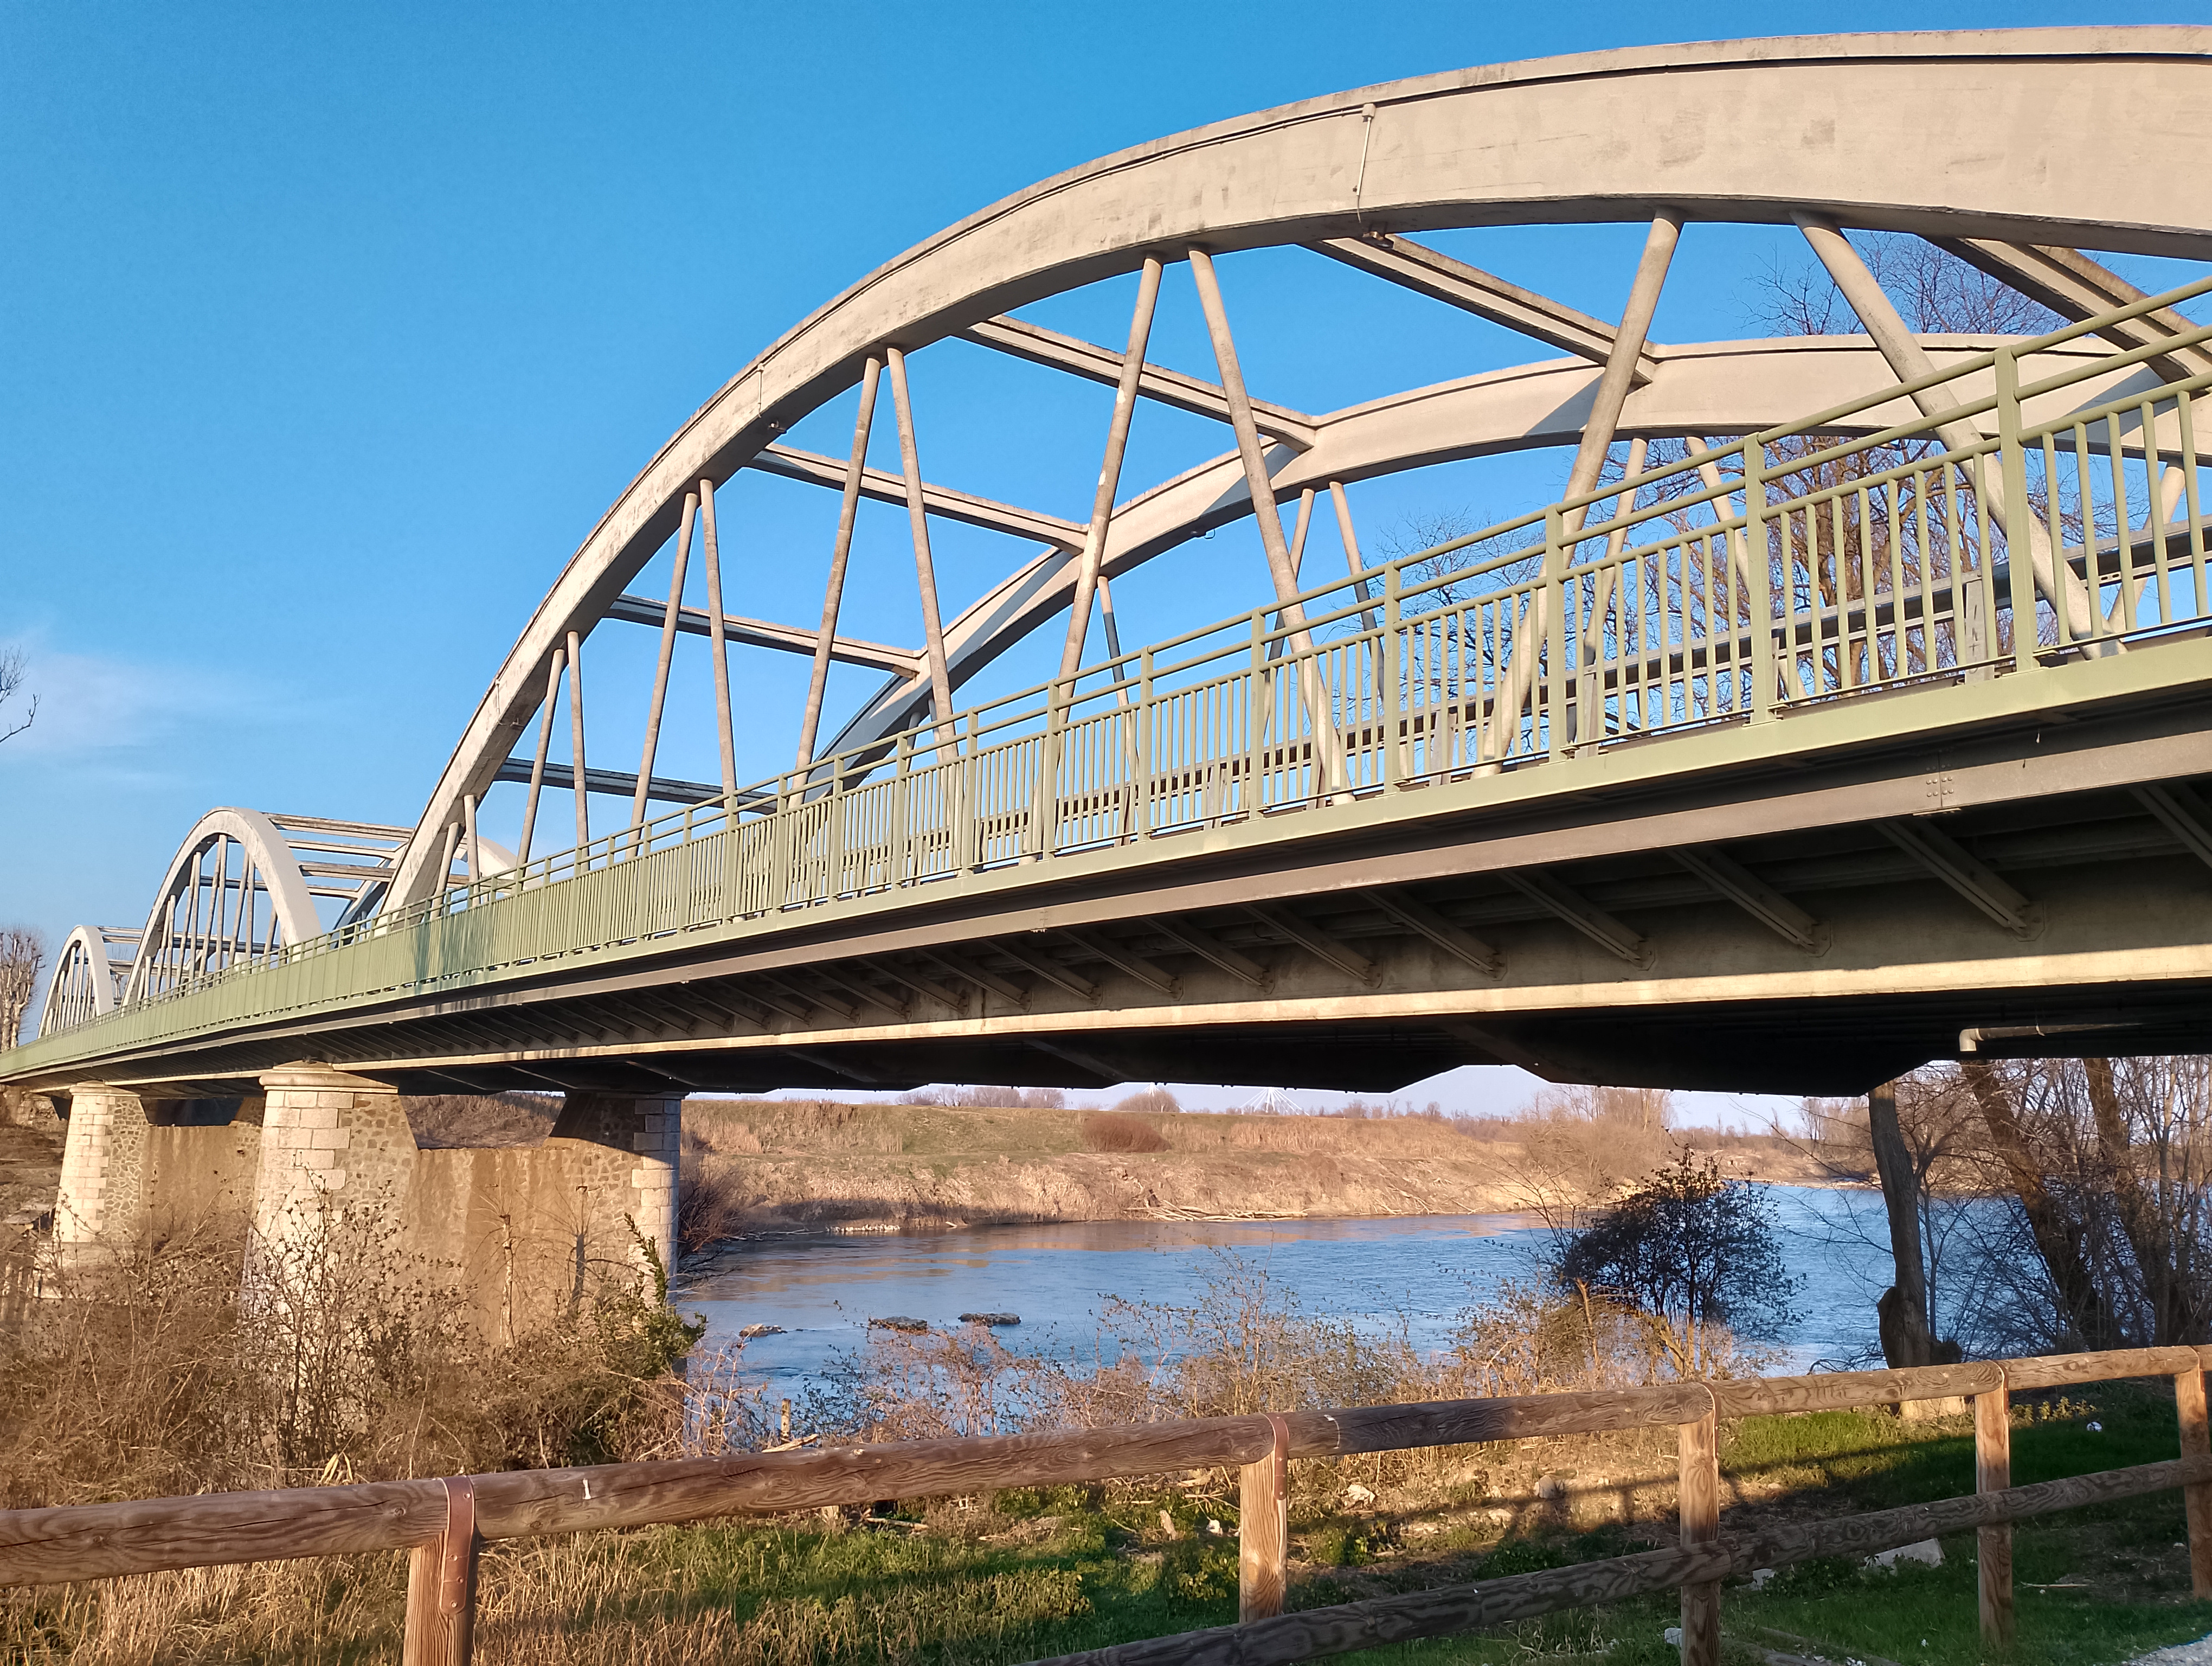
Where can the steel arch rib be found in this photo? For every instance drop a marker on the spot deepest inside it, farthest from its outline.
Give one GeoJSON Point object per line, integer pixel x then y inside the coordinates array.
{"type": "Point", "coordinates": [273, 858]}
{"type": "Point", "coordinates": [1739, 131]}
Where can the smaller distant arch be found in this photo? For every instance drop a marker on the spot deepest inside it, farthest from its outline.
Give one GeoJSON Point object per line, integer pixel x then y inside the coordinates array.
{"type": "Point", "coordinates": [89, 977]}
{"type": "Point", "coordinates": [243, 883]}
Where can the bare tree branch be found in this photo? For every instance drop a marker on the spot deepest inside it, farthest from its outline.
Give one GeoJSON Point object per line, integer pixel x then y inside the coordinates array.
{"type": "Point", "coordinates": [22, 951]}
{"type": "Point", "coordinates": [13, 670]}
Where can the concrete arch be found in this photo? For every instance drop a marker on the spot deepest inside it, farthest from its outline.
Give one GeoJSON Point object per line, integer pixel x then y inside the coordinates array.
{"type": "Point", "coordinates": [1739, 131]}
{"type": "Point", "coordinates": [86, 983]}
{"type": "Point", "coordinates": [272, 868]}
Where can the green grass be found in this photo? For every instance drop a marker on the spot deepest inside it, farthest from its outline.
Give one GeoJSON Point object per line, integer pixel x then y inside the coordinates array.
{"type": "Point", "coordinates": [1046, 1571]}
{"type": "Point", "coordinates": [2091, 1586]}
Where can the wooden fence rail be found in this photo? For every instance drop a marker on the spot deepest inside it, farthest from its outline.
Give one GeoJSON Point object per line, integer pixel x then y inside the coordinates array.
{"type": "Point", "coordinates": [445, 1523]}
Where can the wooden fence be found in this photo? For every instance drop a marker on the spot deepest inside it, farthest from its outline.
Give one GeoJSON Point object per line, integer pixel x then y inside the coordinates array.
{"type": "Point", "coordinates": [445, 1523]}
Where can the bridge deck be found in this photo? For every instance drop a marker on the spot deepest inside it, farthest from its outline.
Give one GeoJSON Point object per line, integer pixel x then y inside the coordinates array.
{"type": "Point", "coordinates": [1353, 943]}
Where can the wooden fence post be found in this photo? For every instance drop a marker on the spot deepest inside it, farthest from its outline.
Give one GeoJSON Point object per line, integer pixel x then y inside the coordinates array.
{"type": "Point", "coordinates": [442, 1587]}
{"type": "Point", "coordinates": [1700, 1497]}
{"type": "Point", "coordinates": [1993, 1545]}
{"type": "Point", "coordinates": [2197, 1497]}
{"type": "Point", "coordinates": [1263, 1511]}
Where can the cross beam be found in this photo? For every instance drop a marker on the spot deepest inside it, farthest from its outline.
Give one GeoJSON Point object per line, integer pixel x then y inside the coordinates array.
{"type": "Point", "coordinates": [1156, 382]}
{"type": "Point", "coordinates": [618, 783]}
{"type": "Point", "coordinates": [2077, 288]}
{"type": "Point", "coordinates": [792, 463]}
{"type": "Point", "coordinates": [1402, 261]}
{"type": "Point", "coordinates": [760, 633]}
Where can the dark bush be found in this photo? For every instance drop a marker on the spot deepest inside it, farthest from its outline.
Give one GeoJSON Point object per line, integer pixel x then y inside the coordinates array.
{"type": "Point", "coordinates": [1110, 1131]}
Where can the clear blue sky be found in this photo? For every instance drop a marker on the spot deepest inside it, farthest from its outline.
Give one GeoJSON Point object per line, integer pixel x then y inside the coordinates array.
{"type": "Point", "coordinates": [330, 332]}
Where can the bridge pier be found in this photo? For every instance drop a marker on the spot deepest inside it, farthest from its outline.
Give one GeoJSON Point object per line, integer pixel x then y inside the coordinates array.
{"type": "Point", "coordinates": [330, 1142]}
{"type": "Point", "coordinates": [651, 1130]}
{"type": "Point", "coordinates": [101, 1208]}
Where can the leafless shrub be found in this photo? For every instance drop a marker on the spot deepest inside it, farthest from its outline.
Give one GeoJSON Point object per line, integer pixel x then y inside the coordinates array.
{"type": "Point", "coordinates": [987, 1097]}
{"type": "Point", "coordinates": [751, 1125]}
{"type": "Point", "coordinates": [1115, 1131]}
{"type": "Point", "coordinates": [1581, 1145]}
{"type": "Point", "coordinates": [710, 1203]}
{"type": "Point", "coordinates": [932, 1384]}
{"type": "Point", "coordinates": [160, 1372]}
{"type": "Point", "coordinates": [479, 1121]}
{"type": "Point", "coordinates": [1153, 1101]}
{"type": "Point", "coordinates": [1525, 1340]}
{"type": "Point", "coordinates": [20, 1108]}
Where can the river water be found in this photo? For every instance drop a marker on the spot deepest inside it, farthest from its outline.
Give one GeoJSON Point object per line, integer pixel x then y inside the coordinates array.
{"type": "Point", "coordinates": [1420, 1272]}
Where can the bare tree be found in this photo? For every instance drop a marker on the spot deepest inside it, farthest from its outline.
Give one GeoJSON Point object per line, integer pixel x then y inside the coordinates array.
{"type": "Point", "coordinates": [2062, 1203]}
{"type": "Point", "coordinates": [22, 951]}
{"type": "Point", "coordinates": [13, 670]}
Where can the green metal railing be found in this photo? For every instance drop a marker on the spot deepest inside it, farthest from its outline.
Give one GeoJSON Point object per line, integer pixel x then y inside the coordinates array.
{"type": "Point", "coordinates": [1844, 552]}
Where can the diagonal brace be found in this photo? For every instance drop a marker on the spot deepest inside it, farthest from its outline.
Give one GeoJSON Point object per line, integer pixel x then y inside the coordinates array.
{"type": "Point", "coordinates": [1207, 946]}
{"type": "Point", "coordinates": [1426, 271]}
{"type": "Point", "coordinates": [961, 966]}
{"type": "Point", "coordinates": [2183, 816]}
{"type": "Point", "coordinates": [1419, 918]}
{"type": "Point", "coordinates": [1320, 945]}
{"type": "Point", "coordinates": [1049, 969]}
{"type": "Point", "coordinates": [1942, 856]}
{"type": "Point", "coordinates": [1099, 944]}
{"type": "Point", "coordinates": [1748, 892]}
{"type": "Point", "coordinates": [1585, 917]}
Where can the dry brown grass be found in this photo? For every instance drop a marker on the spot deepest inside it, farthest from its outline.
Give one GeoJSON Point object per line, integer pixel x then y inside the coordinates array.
{"type": "Point", "coordinates": [948, 1589]}
{"type": "Point", "coordinates": [165, 1372]}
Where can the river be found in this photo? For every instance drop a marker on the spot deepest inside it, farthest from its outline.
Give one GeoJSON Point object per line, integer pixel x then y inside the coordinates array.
{"type": "Point", "coordinates": [821, 1289]}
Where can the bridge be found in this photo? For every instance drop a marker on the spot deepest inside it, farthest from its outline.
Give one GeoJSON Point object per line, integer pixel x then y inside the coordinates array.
{"type": "Point", "coordinates": [1847, 710]}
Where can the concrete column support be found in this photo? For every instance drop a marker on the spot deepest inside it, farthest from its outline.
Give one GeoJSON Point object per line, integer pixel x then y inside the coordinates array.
{"type": "Point", "coordinates": [100, 1206]}
{"type": "Point", "coordinates": [329, 1142]}
{"type": "Point", "coordinates": [650, 1130]}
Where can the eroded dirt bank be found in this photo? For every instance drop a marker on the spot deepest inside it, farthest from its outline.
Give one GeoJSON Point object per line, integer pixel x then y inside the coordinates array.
{"type": "Point", "coordinates": [766, 1165]}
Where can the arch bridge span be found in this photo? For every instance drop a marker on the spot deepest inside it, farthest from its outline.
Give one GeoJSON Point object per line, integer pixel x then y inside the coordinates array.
{"type": "Point", "coordinates": [1847, 710]}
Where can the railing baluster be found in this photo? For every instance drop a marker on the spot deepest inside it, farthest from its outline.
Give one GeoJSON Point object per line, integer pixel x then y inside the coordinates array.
{"type": "Point", "coordinates": [2013, 462]}
{"type": "Point", "coordinates": [2120, 618]}
{"type": "Point", "coordinates": [2184, 413]}
{"type": "Point", "coordinates": [2157, 514]}
{"type": "Point", "coordinates": [1757, 562]}
{"type": "Point", "coordinates": [1552, 712]}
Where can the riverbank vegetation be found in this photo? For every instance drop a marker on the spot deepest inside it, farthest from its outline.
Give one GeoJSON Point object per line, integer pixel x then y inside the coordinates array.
{"type": "Point", "coordinates": [156, 1375]}
{"type": "Point", "coordinates": [2045, 1205]}
{"type": "Point", "coordinates": [1014, 1576]}
{"type": "Point", "coordinates": [163, 1371]}
{"type": "Point", "coordinates": [754, 1165]}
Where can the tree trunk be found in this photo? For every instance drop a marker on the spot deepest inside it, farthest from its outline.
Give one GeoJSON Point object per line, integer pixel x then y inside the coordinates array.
{"type": "Point", "coordinates": [1907, 1339]}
